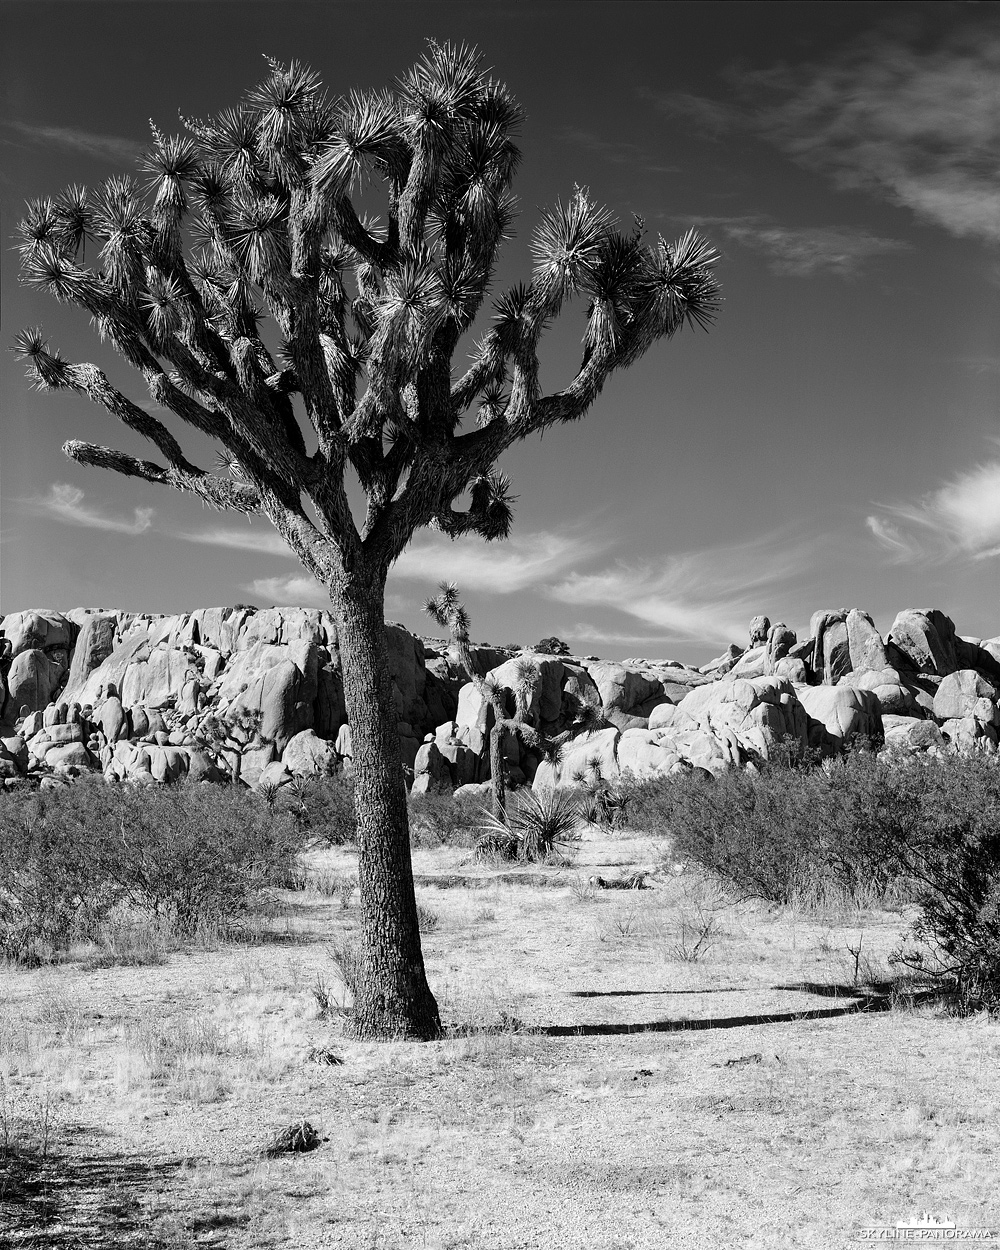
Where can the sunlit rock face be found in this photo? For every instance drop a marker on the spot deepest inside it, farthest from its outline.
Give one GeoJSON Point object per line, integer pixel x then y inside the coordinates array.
{"type": "Point", "coordinates": [256, 697]}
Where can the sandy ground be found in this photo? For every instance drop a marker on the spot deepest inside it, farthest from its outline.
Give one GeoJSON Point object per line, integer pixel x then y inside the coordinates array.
{"type": "Point", "coordinates": [605, 1083]}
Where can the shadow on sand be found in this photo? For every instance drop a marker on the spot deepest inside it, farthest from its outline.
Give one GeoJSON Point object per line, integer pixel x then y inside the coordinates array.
{"type": "Point", "coordinates": [103, 1202]}
{"type": "Point", "coordinates": [860, 999]}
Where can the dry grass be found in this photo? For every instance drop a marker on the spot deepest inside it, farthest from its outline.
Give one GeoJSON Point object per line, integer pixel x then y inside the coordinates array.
{"type": "Point", "coordinates": [567, 1105]}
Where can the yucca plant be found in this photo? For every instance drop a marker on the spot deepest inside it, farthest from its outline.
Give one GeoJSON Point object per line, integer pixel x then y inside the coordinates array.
{"type": "Point", "coordinates": [251, 217]}
{"type": "Point", "coordinates": [537, 826]}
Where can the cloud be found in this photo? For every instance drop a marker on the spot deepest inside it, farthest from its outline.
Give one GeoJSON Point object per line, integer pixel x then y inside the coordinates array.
{"type": "Point", "coordinates": [297, 591]}
{"type": "Point", "coordinates": [518, 564]}
{"type": "Point", "coordinates": [65, 503]}
{"type": "Point", "coordinates": [496, 568]}
{"type": "Point", "coordinates": [710, 119]}
{"type": "Point", "coordinates": [265, 540]}
{"type": "Point", "coordinates": [111, 148]}
{"type": "Point", "coordinates": [706, 595]}
{"type": "Point", "coordinates": [960, 519]}
{"type": "Point", "coordinates": [803, 251]}
{"type": "Point", "coordinates": [919, 126]}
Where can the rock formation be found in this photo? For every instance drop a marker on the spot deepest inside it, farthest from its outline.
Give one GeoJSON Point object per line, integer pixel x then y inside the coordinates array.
{"type": "Point", "coordinates": [256, 696]}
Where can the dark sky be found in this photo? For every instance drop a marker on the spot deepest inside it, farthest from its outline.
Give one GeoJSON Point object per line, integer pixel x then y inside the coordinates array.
{"type": "Point", "coordinates": [832, 442]}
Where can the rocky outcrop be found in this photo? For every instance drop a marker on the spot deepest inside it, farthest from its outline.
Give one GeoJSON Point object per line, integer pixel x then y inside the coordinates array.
{"type": "Point", "coordinates": [257, 697]}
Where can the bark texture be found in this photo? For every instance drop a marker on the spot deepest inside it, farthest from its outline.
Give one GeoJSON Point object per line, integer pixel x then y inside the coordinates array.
{"type": "Point", "coordinates": [393, 999]}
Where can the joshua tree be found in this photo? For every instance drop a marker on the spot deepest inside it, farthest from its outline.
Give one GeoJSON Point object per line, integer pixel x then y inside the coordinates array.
{"type": "Point", "coordinates": [252, 215]}
{"type": "Point", "coordinates": [446, 610]}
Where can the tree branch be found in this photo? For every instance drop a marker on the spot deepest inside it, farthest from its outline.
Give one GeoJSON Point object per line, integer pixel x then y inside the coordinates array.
{"type": "Point", "coordinates": [228, 496]}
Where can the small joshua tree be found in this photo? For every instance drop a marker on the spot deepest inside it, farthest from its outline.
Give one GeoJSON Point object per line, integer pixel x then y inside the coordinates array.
{"type": "Point", "coordinates": [252, 215]}
{"type": "Point", "coordinates": [446, 610]}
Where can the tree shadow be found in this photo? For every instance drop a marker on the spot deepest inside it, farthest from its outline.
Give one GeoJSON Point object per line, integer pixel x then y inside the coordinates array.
{"type": "Point", "coordinates": [863, 1000]}
{"type": "Point", "coordinates": [65, 1201]}
{"type": "Point", "coordinates": [729, 989]}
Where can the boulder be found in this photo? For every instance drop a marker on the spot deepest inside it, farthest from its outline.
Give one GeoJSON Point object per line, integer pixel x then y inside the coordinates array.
{"type": "Point", "coordinates": [588, 755]}
{"type": "Point", "coordinates": [273, 777]}
{"type": "Point", "coordinates": [168, 763]}
{"type": "Point", "coordinates": [761, 713]}
{"type": "Point", "coordinates": [463, 762]}
{"type": "Point", "coordinates": [759, 629]}
{"type": "Point", "coordinates": [533, 686]}
{"type": "Point", "coordinates": [431, 774]}
{"type": "Point", "coordinates": [792, 669]}
{"type": "Point", "coordinates": [926, 638]}
{"type": "Point", "coordinates": [752, 663]}
{"type": "Point", "coordinates": [253, 762]}
{"type": "Point", "coordinates": [283, 694]}
{"type": "Point", "coordinates": [94, 644]}
{"type": "Point", "coordinates": [780, 640]}
{"type": "Point", "coordinates": [406, 663]}
{"type": "Point", "coordinates": [308, 755]}
{"type": "Point", "coordinates": [831, 657]}
{"type": "Point", "coordinates": [113, 719]}
{"type": "Point", "coordinates": [959, 692]}
{"type": "Point", "coordinates": [33, 679]}
{"type": "Point", "coordinates": [839, 713]}
{"type": "Point", "coordinates": [645, 753]}
{"type": "Point", "coordinates": [966, 735]}
{"type": "Point", "coordinates": [622, 692]}
{"type": "Point", "coordinates": [39, 630]}
{"type": "Point", "coordinates": [865, 646]}
{"type": "Point", "coordinates": [69, 754]}
{"type": "Point", "coordinates": [201, 766]}
{"type": "Point", "coordinates": [344, 745]}
{"type": "Point", "coordinates": [13, 747]}
{"type": "Point", "coordinates": [969, 654]}
{"type": "Point", "coordinates": [909, 733]}
{"type": "Point", "coordinates": [722, 663]}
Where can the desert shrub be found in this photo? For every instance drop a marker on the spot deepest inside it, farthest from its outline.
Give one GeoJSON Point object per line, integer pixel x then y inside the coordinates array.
{"type": "Point", "coordinates": [444, 819]}
{"type": "Point", "coordinates": [323, 807]}
{"type": "Point", "coordinates": [189, 854]}
{"type": "Point", "coordinates": [755, 831]}
{"type": "Point", "coordinates": [888, 827]}
{"type": "Point", "coordinates": [954, 857]}
{"type": "Point", "coordinates": [52, 891]}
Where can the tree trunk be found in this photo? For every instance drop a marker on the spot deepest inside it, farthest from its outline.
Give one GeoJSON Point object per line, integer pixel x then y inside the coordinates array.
{"type": "Point", "coordinates": [393, 999]}
{"type": "Point", "coordinates": [498, 768]}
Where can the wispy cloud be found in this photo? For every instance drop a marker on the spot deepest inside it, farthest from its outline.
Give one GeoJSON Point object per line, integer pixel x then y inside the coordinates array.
{"type": "Point", "coordinates": [297, 591]}
{"type": "Point", "coordinates": [804, 251]}
{"type": "Point", "coordinates": [961, 518]}
{"type": "Point", "coordinates": [113, 148]}
{"type": "Point", "coordinates": [919, 125]}
{"type": "Point", "coordinates": [584, 632]}
{"type": "Point", "coordinates": [704, 595]}
{"type": "Point", "coordinates": [497, 568]}
{"type": "Point", "coordinates": [709, 119]}
{"type": "Point", "coordinates": [262, 539]}
{"type": "Point", "coordinates": [66, 503]}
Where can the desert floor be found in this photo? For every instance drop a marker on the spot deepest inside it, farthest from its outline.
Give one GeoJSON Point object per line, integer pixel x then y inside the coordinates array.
{"type": "Point", "coordinates": [606, 1081]}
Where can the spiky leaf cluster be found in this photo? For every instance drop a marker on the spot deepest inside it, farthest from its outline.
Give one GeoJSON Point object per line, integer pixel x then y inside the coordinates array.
{"type": "Point", "coordinates": [261, 215]}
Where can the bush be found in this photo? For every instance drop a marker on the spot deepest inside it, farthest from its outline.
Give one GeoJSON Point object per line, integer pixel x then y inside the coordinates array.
{"type": "Point", "coordinates": [954, 857]}
{"type": "Point", "coordinates": [323, 807]}
{"type": "Point", "coordinates": [862, 826]}
{"type": "Point", "coordinates": [444, 820]}
{"type": "Point", "coordinates": [189, 854]}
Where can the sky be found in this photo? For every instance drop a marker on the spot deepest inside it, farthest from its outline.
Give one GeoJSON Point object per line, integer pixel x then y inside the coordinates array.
{"type": "Point", "coordinates": [833, 441]}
